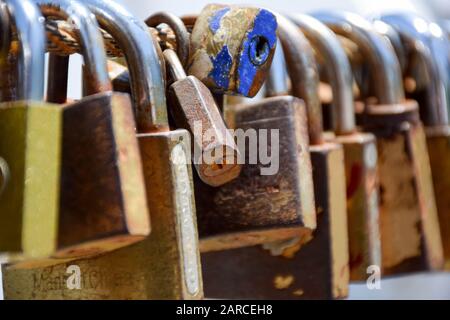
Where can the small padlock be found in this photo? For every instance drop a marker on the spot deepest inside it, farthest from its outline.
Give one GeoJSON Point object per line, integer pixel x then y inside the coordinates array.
{"type": "Point", "coordinates": [360, 151]}
{"type": "Point", "coordinates": [433, 104]}
{"type": "Point", "coordinates": [215, 153]}
{"type": "Point", "coordinates": [409, 227]}
{"type": "Point", "coordinates": [42, 145]}
{"type": "Point", "coordinates": [166, 264]}
{"type": "Point", "coordinates": [293, 269]}
{"type": "Point", "coordinates": [232, 48]}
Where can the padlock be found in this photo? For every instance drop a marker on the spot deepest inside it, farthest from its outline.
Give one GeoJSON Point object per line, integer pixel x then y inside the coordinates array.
{"type": "Point", "coordinates": [294, 268]}
{"type": "Point", "coordinates": [232, 48]}
{"type": "Point", "coordinates": [254, 208]}
{"type": "Point", "coordinates": [45, 144]}
{"type": "Point", "coordinates": [165, 265]}
{"type": "Point", "coordinates": [223, 222]}
{"type": "Point", "coordinates": [431, 48]}
{"type": "Point", "coordinates": [215, 153]}
{"type": "Point", "coordinates": [360, 151]}
{"type": "Point", "coordinates": [409, 228]}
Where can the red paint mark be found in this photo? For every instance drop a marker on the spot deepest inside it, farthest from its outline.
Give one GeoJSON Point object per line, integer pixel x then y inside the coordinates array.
{"type": "Point", "coordinates": [355, 179]}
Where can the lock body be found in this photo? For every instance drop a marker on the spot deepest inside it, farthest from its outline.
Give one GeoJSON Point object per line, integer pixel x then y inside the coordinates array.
{"type": "Point", "coordinates": [165, 265]}
{"type": "Point", "coordinates": [232, 48]}
{"type": "Point", "coordinates": [31, 148]}
{"type": "Point", "coordinates": [360, 158]}
{"type": "Point", "coordinates": [298, 268]}
{"type": "Point", "coordinates": [409, 227]}
{"type": "Point", "coordinates": [215, 154]}
{"type": "Point", "coordinates": [256, 208]}
{"type": "Point", "coordinates": [438, 143]}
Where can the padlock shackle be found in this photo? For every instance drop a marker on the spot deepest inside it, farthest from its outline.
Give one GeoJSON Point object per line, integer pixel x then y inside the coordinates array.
{"type": "Point", "coordinates": [90, 37]}
{"type": "Point", "coordinates": [178, 28]}
{"type": "Point", "coordinates": [382, 61]}
{"type": "Point", "coordinates": [302, 69]}
{"type": "Point", "coordinates": [31, 33]}
{"type": "Point", "coordinates": [431, 46]}
{"type": "Point", "coordinates": [337, 67]}
{"type": "Point", "coordinates": [143, 56]}
{"type": "Point", "coordinates": [173, 65]}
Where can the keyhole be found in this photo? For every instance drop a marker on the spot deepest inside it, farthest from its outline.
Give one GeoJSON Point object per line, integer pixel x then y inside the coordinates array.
{"type": "Point", "coordinates": [259, 50]}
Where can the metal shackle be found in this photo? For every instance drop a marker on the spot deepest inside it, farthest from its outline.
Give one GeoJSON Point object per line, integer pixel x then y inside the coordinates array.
{"type": "Point", "coordinates": [143, 56]}
{"type": "Point", "coordinates": [29, 24]}
{"type": "Point", "coordinates": [382, 61]}
{"type": "Point", "coordinates": [91, 40]}
{"type": "Point", "coordinates": [337, 67]}
{"type": "Point", "coordinates": [302, 69]}
{"type": "Point", "coordinates": [425, 41]}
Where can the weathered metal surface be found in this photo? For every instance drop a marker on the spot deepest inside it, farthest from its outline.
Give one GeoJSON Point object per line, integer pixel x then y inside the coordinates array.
{"type": "Point", "coordinates": [214, 151]}
{"type": "Point", "coordinates": [257, 208]}
{"type": "Point", "coordinates": [410, 235]}
{"type": "Point", "coordinates": [162, 266]}
{"type": "Point", "coordinates": [438, 144]}
{"type": "Point", "coordinates": [232, 48]}
{"type": "Point", "coordinates": [297, 268]}
{"type": "Point", "coordinates": [360, 155]}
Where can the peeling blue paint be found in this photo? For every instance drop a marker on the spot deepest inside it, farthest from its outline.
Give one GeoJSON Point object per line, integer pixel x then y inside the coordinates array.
{"type": "Point", "coordinates": [221, 68]}
{"type": "Point", "coordinates": [214, 22]}
{"type": "Point", "coordinates": [265, 26]}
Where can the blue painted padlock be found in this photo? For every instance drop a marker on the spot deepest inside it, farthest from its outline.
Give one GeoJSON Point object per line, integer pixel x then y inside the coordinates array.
{"type": "Point", "coordinates": [232, 48]}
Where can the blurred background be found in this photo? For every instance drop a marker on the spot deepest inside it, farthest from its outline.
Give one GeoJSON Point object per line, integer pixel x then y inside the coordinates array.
{"type": "Point", "coordinates": [414, 286]}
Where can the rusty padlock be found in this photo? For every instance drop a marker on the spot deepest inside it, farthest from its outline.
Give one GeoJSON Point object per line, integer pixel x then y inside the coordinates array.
{"type": "Point", "coordinates": [39, 220]}
{"type": "Point", "coordinates": [232, 48]}
{"type": "Point", "coordinates": [360, 151]}
{"type": "Point", "coordinates": [256, 208]}
{"type": "Point", "coordinates": [293, 269]}
{"type": "Point", "coordinates": [165, 265]}
{"type": "Point", "coordinates": [409, 227]}
{"type": "Point", "coordinates": [106, 161]}
{"type": "Point", "coordinates": [431, 48]}
{"type": "Point", "coordinates": [223, 222]}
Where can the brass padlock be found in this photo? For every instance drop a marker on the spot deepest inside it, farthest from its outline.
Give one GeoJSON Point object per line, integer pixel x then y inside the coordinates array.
{"type": "Point", "coordinates": [40, 142]}
{"type": "Point", "coordinates": [409, 227]}
{"type": "Point", "coordinates": [232, 48]}
{"type": "Point", "coordinates": [360, 152]}
{"type": "Point", "coordinates": [433, 103]}
{"type": "Point", "coordinates": [166, 264]}
{"type": "Point", "coordinates": [294, 268]}
{"type": "Point", "coordinates": [100, 155]}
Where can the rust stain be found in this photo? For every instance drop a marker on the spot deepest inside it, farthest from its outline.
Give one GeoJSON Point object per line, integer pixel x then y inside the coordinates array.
{"type": "Point", "coordinates": [283, 282]}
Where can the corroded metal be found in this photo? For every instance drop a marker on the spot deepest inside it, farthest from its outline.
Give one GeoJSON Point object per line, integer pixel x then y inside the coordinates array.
{"type": "Point", "coordinates": [232, 48]}
{"type": "Point", "coordinates": [410, 235]}
{"type": "Point", "coordinates": [164, 265]}
{"type": "Point", "coordinates": [291, 268]}
{"type": "Point", "coordinates": [256, 208]}
{"type": "Point", "coordinates": [294, 268]}
{"type": "Point", "coordinates": [360, 153]}
{"type": "Point", "coordinates": [426, 42]}
{"type": "Point", "coordinates": [214, 152]}
{"type": "Point", "coordinates": [408, 199]}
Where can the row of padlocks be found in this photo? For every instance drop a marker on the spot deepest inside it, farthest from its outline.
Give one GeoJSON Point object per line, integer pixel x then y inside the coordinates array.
{"type": "Point", "coordinates": [338, 167]}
